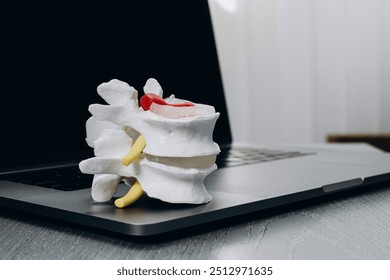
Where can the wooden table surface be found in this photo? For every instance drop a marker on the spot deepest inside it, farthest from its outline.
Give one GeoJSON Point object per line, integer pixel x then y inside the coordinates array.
{"type": "Point", "coordinates": [356, 226]}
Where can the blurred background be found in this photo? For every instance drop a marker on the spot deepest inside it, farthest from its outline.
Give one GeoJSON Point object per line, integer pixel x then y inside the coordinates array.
{"type": "Point", "coordinates": [300, 70]}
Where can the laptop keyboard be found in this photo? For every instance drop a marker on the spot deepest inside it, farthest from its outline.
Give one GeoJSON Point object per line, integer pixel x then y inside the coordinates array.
{"type": "Point", "coordinates": [241, 156]}
{"type": "Point", "coordinates": [69, 178]}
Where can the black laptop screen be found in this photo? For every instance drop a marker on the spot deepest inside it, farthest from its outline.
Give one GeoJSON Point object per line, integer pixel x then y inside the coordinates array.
{"type": "Point", "coordinates": [53, 55]}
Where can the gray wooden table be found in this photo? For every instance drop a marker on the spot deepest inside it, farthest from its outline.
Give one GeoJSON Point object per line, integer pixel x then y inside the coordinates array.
{"type": "Point", "coordinates": [352, 227]}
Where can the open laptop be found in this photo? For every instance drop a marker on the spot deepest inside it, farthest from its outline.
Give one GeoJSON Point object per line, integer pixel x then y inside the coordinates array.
{"type": "Point", "coordinates": [53, 55]}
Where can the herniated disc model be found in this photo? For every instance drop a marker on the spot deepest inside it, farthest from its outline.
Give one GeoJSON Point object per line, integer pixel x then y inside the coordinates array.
{"type": "Point", "coordinates": [162, 147]}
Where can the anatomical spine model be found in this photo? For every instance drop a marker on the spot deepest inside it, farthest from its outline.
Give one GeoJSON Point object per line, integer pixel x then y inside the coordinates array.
{"type": "Point", "coordinates": [163, 148]}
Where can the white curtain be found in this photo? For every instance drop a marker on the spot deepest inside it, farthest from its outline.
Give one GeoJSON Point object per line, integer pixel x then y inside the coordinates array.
{"type": "Point", "coordinates": [297, 70]}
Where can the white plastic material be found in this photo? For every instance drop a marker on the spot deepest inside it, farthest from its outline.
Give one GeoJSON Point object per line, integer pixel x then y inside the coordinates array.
{"type": "Point", "coordinates": [117, 92]}
{"type": "Point", "coordinates": [179, 150]}
{"type": "Point", "coordinates": [182, 112]}
{"type": "Point", "coordinates": [152, 86]}
{"type": "Point", "coordinates": [95, 127]}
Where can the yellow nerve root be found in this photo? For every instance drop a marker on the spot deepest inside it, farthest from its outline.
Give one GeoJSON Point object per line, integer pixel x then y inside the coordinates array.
{"type": "Point", "coordinates": [135, 151]}
{"type": "Point", "coordinates": [132, 196]}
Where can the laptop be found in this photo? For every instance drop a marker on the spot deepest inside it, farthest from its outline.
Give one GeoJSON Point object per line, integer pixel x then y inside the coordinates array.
{"type": "Point", "coordinates": [53, 56]}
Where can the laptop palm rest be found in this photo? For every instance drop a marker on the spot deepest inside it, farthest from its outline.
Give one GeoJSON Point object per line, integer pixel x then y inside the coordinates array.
{"type": "Point", "coordinates": [235, 190]}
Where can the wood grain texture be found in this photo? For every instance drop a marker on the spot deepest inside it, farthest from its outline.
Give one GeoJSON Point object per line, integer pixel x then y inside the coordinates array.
{"type": "Point", "coordinates": [357, 227]}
